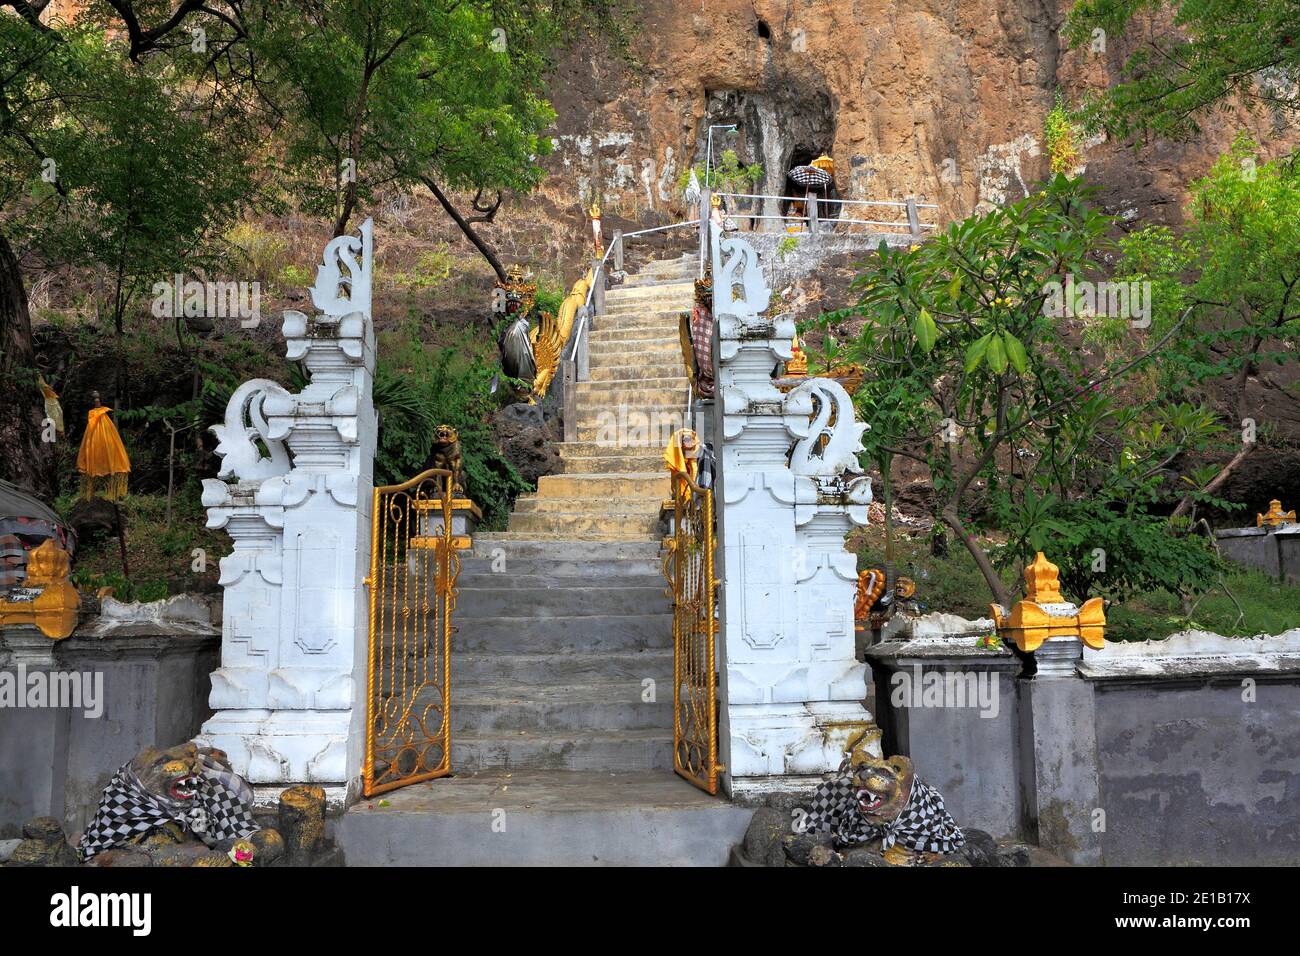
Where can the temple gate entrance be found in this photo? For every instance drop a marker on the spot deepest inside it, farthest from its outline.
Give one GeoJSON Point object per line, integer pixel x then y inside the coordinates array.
{"type": "Point", "coordinates": [413, 570]}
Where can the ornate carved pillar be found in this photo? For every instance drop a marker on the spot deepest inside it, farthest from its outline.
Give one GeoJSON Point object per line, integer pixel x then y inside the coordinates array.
{"type": "Point", "coordinates": [289, 693]}
{"type": "Point", "coordinates": [792, 688]}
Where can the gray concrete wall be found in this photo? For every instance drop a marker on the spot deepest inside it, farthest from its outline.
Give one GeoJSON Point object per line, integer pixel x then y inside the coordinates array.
{"type": "Point", "coordinates": [1188, 767]}
{"type": "Point", "coordinates": [973, 761]}
{"type": "Point", "coordinates": [1192, 773]}
{"type": "Point", "coordinates": [57, 761]}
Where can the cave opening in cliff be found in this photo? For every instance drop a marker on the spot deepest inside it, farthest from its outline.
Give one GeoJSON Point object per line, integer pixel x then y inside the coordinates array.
{"type": "Point", "coordinates": [804, 155]}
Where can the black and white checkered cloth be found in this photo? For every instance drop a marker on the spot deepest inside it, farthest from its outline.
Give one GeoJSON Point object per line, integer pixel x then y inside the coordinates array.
{"type": "Point", "coordinates": [221, 808]}
{"type": "Point", "coordinates": [923, 825]}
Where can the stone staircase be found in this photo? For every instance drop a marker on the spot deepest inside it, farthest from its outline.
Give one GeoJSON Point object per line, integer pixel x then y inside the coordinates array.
{"type": "Point", "coordinates": [562, 661]}
{"type": "Point", "coordinates": [613, 477]}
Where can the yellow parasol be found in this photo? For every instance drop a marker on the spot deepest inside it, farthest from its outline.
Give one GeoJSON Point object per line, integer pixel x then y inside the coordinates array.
{"type": "Point", "coordinates": [102, 460]}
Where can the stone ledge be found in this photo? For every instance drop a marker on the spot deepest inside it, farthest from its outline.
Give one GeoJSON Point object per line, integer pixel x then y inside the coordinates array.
{"type": "Point", "coordinates": [1190, 654]}
{"type": "Point", "coordinates": [180, 614]}
{"type": "Point", "coordinates": [935, 636]}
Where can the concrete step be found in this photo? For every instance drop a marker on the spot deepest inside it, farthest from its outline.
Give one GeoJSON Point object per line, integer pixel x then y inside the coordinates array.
{"type": "Point", "coordinates": [642, 313]}
{"type": "Point", "coordinates": [683, 267]}
{"type": "Point", "coordinates": [578, 449]}
{"type": "Point", "coordinates": [537, 505]}
{"type": "Point", "coordinates": [523, 749]}
{"type": "Point", "coordinates": [666, 374]}
{"type": "Point", "coordinates": [653, 484]}
{"type": "Point", "coordinates": [545, 669]}
{"type": "Point", "coordinates": [662, 422]}
{"type": "Point", "coordinates": [552, 818]}
{"type": "Point", "coordinates": [624, 421]}
{"type": "Point", "coordinates": [641, 392]}
{"type": "Point", "coordinates": [502, 566]}
{"type": "Point", "coordinates": [623, 524]}
{"type": "Point", "coordinates": [667, 338]}
{"type": "Point", "coordinates": [666, 352]}
{"type": "Point", "coordinates": [551, 707]}
{"type": "Point", "coordinates": [673, 289]}
{"type": "Point", "coordinates": [518, 580]}
{"type": "Point", "coordinates": [625, 459]}
{"type": "Point", "coordinates": [539, 602]}
{"type": "Point", "coordinates": [580, 634]}
{"type": "Point", "coordinates": [488, 545]}
{"type": "Point", "coordinates": [635, 337]}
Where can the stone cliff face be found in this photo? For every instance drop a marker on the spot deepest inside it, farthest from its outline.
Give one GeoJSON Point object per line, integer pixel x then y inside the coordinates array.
{"type": "Point", "coordinates": [944, 100]}
{"type": "Point", "coordinates": [940, 99]}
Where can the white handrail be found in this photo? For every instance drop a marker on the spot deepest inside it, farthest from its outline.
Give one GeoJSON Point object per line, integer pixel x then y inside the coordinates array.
{"type": "Point", "coordinates": [823, 199]}
{"type": "Point", "coordinates": [596, 277]}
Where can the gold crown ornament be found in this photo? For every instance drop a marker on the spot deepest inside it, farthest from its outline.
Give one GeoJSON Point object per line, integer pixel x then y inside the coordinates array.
{"type": "Point", "coordinates": [1044, 613]}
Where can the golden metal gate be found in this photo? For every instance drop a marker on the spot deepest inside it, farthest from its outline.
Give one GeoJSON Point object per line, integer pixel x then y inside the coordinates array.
{"type": "Point", "coordinates": [413, 571]}
{"type": "Point", "coordinates": [688, 566]}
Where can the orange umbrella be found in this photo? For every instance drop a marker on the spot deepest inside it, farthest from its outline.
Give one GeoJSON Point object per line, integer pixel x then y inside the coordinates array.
{"type": "Point", "coordinates": [102, 460]}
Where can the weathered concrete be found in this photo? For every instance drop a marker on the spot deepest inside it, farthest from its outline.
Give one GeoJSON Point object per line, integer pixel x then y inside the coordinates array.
{"type": "Point", "coordinates": [543, 819]}
{"type": "Point", "coordinates": [1062, 784]}
{"type": "Point", "coordinates": [1173, 752]}
{"type": "Point", "coordinates": [1199, 746]}
{"type": "Point", "coordinates": [969, 755]}
{"type": "Point", "coordinates": [1275, 550]}
{"type": "Point", "coordinates": [57, 761]}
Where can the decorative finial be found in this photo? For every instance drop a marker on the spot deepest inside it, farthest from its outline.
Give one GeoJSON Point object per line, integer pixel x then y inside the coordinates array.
{"type": "Point", "coordinates": [1274, 516]}
{"type": "Point", "coordinates": [1042, 581]}
{"type": "Point", "coordinates": [1044, 614]}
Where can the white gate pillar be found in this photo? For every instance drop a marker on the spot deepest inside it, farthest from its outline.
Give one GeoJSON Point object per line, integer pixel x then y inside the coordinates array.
{"type": "Point", "coordinates": [290, 692]}
{"type": "Point", "coordinates": [791, 686]}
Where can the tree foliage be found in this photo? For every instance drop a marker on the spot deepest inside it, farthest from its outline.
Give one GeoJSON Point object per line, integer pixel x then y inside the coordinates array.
{"type": "Point", "coordinates": [974, 370]}
{"type": "Point", "coordinates": [1219, 50]}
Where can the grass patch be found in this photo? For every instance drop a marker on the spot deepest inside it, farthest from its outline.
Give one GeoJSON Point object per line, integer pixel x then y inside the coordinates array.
{"type": "Point", "coordinates": [1269, 607]}
{"type": "Point", "coordinates": [161, 557]}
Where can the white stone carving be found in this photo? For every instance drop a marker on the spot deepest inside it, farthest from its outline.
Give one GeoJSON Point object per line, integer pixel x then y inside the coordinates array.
{"type": "Point", "coordinates": [289, 694]}
{"type": "Point", "coordinates": [343, 283]}
{"type": "Point", "coordinates": [245, 424]}
{"type": "Point", "coordinates": [830, 409]}
{"type": "Point", "coordinates": [792, 687]}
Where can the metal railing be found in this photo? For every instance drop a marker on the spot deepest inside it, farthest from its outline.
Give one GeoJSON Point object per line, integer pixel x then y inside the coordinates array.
{"type": "Point", "coordinates": [817, 222]}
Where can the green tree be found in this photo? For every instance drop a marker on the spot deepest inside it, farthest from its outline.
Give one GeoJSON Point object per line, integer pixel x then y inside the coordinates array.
{"type": "Point", "coordinates": [1237, 265]}
{"type": "Point", "coordinates": [446, 94]}
{"type": "Point", "coordinates": [129, 169]}
{"type": "Point", "coordinates": [971, 331]}
{"type": "Point", "coordinates": [1219, 49]}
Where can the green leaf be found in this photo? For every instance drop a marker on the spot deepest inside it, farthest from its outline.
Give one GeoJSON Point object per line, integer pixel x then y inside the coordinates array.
{"type": "Point", "coordinates": [926, 331]}
{"type": "Point", "coordinates": [996, 355]}
{"type": "Point", "coordinates": [975, 353]}
{"type": "Point", "coordinates": [1015, 352]}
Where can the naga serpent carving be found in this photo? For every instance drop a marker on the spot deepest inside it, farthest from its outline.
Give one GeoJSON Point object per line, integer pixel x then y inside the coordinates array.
{"type": "Point", "coordinates": [833, 439]}
{"type": "Point", "coordinates": [244, 428]}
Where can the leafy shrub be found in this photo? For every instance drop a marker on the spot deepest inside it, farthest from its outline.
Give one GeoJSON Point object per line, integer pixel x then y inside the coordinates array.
{"type": "Point", "coordinates": [1105, 548]}
{"type": "Point", "coordinates": [415, 391]}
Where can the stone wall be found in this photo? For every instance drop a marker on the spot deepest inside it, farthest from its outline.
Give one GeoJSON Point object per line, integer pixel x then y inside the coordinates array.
{"type": "Point", "coordinates": [1192, 747]}
{"type": "Point", "coordinates": [150, 664]}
